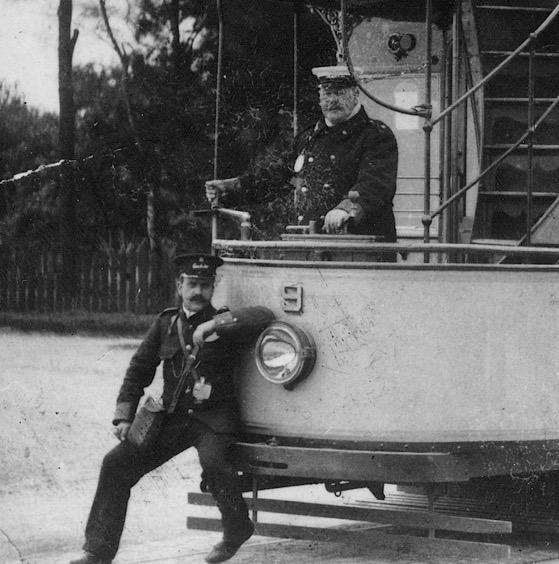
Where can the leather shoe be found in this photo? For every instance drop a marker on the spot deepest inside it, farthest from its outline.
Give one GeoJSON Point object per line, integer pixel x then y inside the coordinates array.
{"type": "Point", "coordinates": [224, 550]}
{"type": "Point", "coordinates": [89, 558]}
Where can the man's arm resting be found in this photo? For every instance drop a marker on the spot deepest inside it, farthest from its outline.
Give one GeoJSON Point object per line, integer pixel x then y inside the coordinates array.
{"type": "Point", "coordinates": [247, 321]}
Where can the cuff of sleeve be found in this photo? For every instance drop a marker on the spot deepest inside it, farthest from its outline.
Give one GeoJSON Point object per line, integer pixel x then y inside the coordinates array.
{"type": "Point", "coordinates": [124, 412]}
{"type": "Point", "coordinates": [224, 321]}
{"type": "Point", "coordinates": [347, 204]}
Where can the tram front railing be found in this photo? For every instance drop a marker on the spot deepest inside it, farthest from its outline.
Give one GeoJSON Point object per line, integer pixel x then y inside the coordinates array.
{"type": "Point", "coordinates": [363, 244]}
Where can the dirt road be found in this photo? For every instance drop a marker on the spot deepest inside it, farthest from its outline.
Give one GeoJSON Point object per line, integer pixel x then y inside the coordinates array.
{"type": "Point", "coordinates": [57, 401]}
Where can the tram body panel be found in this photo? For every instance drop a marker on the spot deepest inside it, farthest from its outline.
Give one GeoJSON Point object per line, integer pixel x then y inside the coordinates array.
{"type": "Point", "coordinates": [409, 355]}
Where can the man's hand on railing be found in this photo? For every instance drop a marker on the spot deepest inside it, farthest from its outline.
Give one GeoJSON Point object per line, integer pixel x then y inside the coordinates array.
{"type": "Point", "coordinates": [335, 220]}
{"type": "Point", "coordinates": [214, 188]}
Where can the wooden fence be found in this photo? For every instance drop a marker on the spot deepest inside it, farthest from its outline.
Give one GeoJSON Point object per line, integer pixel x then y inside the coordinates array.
{"type": "Point", "coordinates": [131, 280]}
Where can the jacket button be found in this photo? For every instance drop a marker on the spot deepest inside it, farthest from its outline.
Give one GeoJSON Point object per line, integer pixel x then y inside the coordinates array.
{"type": "Point", "coordinates": [190, 411]}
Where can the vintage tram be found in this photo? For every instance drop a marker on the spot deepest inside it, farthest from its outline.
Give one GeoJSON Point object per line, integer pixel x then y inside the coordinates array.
{"type": "Point", "coordinates": [439, 370]}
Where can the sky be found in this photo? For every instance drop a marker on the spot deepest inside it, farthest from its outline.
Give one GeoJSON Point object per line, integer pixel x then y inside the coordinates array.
{"type": "Point", "coordinates": [29, 48]}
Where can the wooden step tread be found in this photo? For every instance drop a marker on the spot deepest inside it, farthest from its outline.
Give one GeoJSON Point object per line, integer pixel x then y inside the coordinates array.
{"type": "Point", "coordinates": [516, 194]}
{"type": "Point", "coordinates": [518, 100]}
{"type": "Point", "coordinates": [501, 242]}
{"type": "Point", "coordinates": [538, 518]}
{"type": "Point", "coordinates": [521, 147]}
{"type": "Point", "coordinates": [502, 8]}
{"type": "Point", "coordinates": [537, 54]}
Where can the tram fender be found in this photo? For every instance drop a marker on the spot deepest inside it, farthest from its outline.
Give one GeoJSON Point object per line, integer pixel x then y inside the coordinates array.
{"type": "Point", "coordinates": [335, 464]}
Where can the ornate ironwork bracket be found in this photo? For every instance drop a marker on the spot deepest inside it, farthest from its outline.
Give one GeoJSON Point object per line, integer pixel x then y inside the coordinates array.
{"type": "Point", "coordinates": [333, 18]}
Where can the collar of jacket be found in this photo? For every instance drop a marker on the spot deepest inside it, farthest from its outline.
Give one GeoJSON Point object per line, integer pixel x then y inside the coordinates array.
{"type": "Point", "coordinates": [199, 317]}
{"type": "Point", "coordinates": [357, 122]}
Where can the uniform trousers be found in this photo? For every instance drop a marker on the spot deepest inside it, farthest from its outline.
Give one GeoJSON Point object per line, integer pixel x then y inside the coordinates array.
{"type": "Point", "coordinates": [124, 465]}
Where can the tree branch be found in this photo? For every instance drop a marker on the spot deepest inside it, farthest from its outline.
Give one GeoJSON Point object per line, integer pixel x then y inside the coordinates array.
{"type": "Point", "coordinates": [121, 55]}
{"type": "Point", "coordinates": [74, 40]}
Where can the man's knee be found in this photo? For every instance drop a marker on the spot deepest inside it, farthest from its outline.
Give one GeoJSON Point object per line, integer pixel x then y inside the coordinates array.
{"type": "Point", "coordinates": [120, 460]}
{"type": "Point", "coordinates": [215, 461]}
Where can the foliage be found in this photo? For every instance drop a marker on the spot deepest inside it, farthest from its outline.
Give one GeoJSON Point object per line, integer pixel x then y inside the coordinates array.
{"type": "Point", "coordinates": [151, 122]}
{"type": "Point", "coordinates": [27, 137]}
{"type": "Point", "coordinates": [27, 140]}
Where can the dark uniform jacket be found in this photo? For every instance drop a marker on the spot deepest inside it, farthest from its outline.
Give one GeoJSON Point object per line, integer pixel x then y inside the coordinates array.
{"type": "Point", "coordinates": [215, 363]}
{"type": "Point", "coordinates": [359, 154]}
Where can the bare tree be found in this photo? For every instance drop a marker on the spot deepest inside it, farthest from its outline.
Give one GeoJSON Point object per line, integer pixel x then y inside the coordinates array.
{"type": "Point", "coordinates": [66, 44]}
{"type": "Point", "coordinates": [143, 175]}
{"type": "Point", "coordinates": [126, 61]}
{"type": "Point", "coordinates": [66, 143]}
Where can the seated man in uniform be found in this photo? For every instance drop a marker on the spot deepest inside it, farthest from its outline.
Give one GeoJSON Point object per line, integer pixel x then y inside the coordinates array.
{"type": "Point", "coordinates": [344, 151]}
{"type": "Point", "coordinates": [205, 416]}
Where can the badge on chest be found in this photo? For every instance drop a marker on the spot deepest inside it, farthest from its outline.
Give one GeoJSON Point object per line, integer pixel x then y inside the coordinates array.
{"type": "Point", "coordinates": [201, 391]}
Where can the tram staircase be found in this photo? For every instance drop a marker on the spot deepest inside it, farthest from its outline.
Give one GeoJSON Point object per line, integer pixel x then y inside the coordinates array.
{"type": "Point", "coordinates": [501, 211]}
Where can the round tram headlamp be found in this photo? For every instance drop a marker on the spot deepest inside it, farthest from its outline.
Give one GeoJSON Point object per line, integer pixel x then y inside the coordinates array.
{"type": "Point", "coordinates": [284, 353]}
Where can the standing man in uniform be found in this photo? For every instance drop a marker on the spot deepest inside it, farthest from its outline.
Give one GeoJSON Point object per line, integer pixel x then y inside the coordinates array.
{"type": "Point", "coordinates": [208, 421]}
{"type": "Point", "coordinates": [345, 151]}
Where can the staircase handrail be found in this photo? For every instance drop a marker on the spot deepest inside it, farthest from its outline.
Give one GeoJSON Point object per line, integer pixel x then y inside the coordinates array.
{"type": "Point", "coordinates": [428, 216]}
{"type": "Point", "coordinates": [531, 38]}
{"type": "Point", "coordinates": [496, 162]}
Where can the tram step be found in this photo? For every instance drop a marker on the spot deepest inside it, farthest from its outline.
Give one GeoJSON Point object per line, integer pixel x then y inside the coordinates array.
{"type": "Point", "coordinates": [522, 101]}
{"type": "Point", "coordinates": [373, 513]}
{"type": "Point", "coordinates": [500, 242]}
{"type": "Point", "coordinates": [517, 194]}
{"type": "Point", "coordinates": [511, 175]}
{"type": "Point", "coordinates": [518, 4]}
{"type": "Point", "coordinates": [523, 147]}
{"type": "Point", "coordinates": [503, 218]}
{"type": "Point", "coordinates": [522, 518]}
{"type": "Point", "coordinates": [507, 121]}
{"type": "Point", "coordinates": [544, 233]}
{"type": "Point", "coordinates": [513, 80]}
{"type": "Point", "coordinates": [366, 539]}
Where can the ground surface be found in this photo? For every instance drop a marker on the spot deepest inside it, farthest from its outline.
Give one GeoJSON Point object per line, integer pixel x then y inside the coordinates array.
{"type": "Point", "coordinates": [56, 404]}
{"type": "Point", "coordinates": [57, 395]}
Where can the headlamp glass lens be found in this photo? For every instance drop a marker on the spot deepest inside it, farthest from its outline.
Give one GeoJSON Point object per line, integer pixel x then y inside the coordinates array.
{"type": "Point", "coordinates": [284, 353]}
{"type": "Point", "coordinates": [278, 354]}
